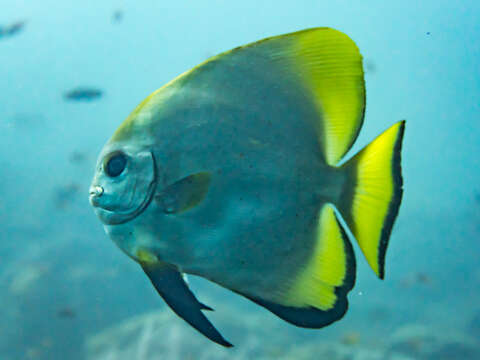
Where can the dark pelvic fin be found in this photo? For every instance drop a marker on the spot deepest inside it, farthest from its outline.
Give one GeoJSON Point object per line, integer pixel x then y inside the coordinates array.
{"type": "Point", "coordinates": [172, 288]}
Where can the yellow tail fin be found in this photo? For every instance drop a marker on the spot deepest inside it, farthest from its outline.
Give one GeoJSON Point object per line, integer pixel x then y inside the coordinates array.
{"type": "Point", "coordinates": [372, 194]}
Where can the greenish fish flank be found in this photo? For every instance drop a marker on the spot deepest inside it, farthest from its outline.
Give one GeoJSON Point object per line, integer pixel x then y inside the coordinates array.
{"type": "Point", "coordinates": [232, 172]}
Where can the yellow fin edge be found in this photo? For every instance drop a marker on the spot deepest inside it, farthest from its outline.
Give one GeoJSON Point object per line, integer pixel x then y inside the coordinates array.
{"type": "Point", "coordinates": [331, 67]}
{"type": "Point", "coordinates": [377, 195]}
{"type": "Point", "coordinates": [327, 268]}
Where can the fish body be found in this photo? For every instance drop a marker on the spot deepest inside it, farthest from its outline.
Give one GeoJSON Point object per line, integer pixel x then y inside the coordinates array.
{"type": "Point", "coordinates": [83, 94]}
{"type": "Point", "coordinates": [12, 29]}
{"type": "Point", "coordinates": [230, 172]}
{"type": "Point", "coordinates": [117, 16]}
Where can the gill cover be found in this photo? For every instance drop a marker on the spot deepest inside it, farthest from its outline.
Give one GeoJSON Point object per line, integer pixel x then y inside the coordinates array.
{"type": "Point", "coordinates": [128, 179]}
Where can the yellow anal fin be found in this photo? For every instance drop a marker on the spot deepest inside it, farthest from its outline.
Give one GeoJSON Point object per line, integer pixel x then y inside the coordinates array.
{"type": "Point", "coordinates": [330, 272]}
{"type": "Point", "coordinates": [372, 194]}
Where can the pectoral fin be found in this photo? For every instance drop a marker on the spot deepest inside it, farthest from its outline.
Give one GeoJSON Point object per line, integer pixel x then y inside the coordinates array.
{"type": "Point", "coordinates": [172, 288]}
{"type": "Point", "coordinates": [184, 194]}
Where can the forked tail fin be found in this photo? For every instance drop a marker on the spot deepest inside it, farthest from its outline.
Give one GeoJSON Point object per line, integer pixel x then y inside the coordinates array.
{"type": "Point", "coordinates": [372, 194]}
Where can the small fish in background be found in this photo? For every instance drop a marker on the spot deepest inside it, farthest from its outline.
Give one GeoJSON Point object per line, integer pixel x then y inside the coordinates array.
{"type": "Point", "coordinates": [65, 195]}
{"type": "Point", "coordinates": [77, 157]}
{"type": "Point", "coordinates": [117, 16]}
{"type": "Point", "coordinates": [474, 324]}
{"type": "Point", "coordinates": [12, 29]}
{"type": "Point", "coordinates": [418, 278]}
{"type": "Point", "coordinates": [66, 313]}
{"type": "Point", "coordinates": [423, 278]}
{"type": "Point", "coordinates": [83, 94]}
{"type": "Point", "coordinates": [476, 197]}
{"type": "Point", "coordinates": [234, 172]}
{"type": "Point", "coordinates": [370, 66]}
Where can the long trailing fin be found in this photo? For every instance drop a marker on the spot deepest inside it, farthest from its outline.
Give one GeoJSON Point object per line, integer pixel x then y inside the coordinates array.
{"type": "Point", "coordinates": [372, 194]}
{"type": "Point", "coordinates": [171, 286]}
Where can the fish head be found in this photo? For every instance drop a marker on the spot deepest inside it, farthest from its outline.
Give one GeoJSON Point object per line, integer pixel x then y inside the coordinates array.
{"type": "Point", "coordinates": [124, 183]}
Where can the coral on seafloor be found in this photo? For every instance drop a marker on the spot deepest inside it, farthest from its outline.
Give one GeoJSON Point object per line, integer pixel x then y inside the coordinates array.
{"type": "Point", "coordinates": [433, 343]}
{"type": "Point", "coordinates": [162, 335]}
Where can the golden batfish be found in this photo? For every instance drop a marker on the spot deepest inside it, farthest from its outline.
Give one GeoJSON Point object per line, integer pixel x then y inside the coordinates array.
{"type": "Point", "coordinates": [231, 172]}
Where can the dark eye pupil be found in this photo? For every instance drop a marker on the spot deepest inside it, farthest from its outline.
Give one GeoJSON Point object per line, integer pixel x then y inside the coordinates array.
{"type": "Point", "coordinates": [116, 165]}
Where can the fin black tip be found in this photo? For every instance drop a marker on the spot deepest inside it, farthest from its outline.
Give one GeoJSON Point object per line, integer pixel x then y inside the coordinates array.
{"type": "Point", "coordinates": [171, 286]}
{"type": "Point", "coordinates": [372, 194]}
{"type": "Point", "coordinates": [395, 201]}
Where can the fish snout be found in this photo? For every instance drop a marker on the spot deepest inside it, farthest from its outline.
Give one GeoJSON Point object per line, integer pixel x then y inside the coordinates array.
{"type": "Point", "coordinates": [95, 192]}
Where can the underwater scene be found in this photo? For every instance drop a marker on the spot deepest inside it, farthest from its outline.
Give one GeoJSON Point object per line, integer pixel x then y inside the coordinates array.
{"type": "Point", "coordinates": [239, 180]}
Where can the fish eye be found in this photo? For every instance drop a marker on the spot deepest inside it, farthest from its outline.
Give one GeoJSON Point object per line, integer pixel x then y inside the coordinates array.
{"type": "Point", "coordinates": [115, 164]}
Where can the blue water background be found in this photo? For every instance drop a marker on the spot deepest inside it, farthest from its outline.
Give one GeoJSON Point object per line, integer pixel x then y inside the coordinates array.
{"type": "Point", "coordinates": [423, 65]}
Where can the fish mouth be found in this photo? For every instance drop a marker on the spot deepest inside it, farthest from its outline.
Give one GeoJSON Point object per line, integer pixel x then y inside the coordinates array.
{"type": "Point", "coordinates": [95, 193]}
{"type": "Point", "coordinates": [115, 217]}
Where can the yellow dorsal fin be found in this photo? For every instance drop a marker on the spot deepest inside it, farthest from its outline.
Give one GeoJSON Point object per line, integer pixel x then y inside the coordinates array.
{"type": "Point", "coordinates": [330, 65]}
{"type": "Point", "coordinates": [331, 266]}
{"type": "Point", "coordinates": [319, 69]}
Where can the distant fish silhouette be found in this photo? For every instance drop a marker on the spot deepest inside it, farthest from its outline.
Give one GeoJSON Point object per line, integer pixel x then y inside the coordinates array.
{"type": "Point", "coordinates": [370, 66]}
{"type": "Point", "coordinates": [64, 195]}
{"type": "Point", "coordinates": [117, 16]}
{"type": "Point", "coordinates": [477, 197]}
{"type": "Point", "coordinates": [83, 94]}
{"type": "Point", "coordinates": [12, 29]}
{"type": "Point", "coordinates": [66, 313]}
{"type": "Point", "coordinates": [77, 157]}
{"type": "Point", "coordinates": [418, 278]}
